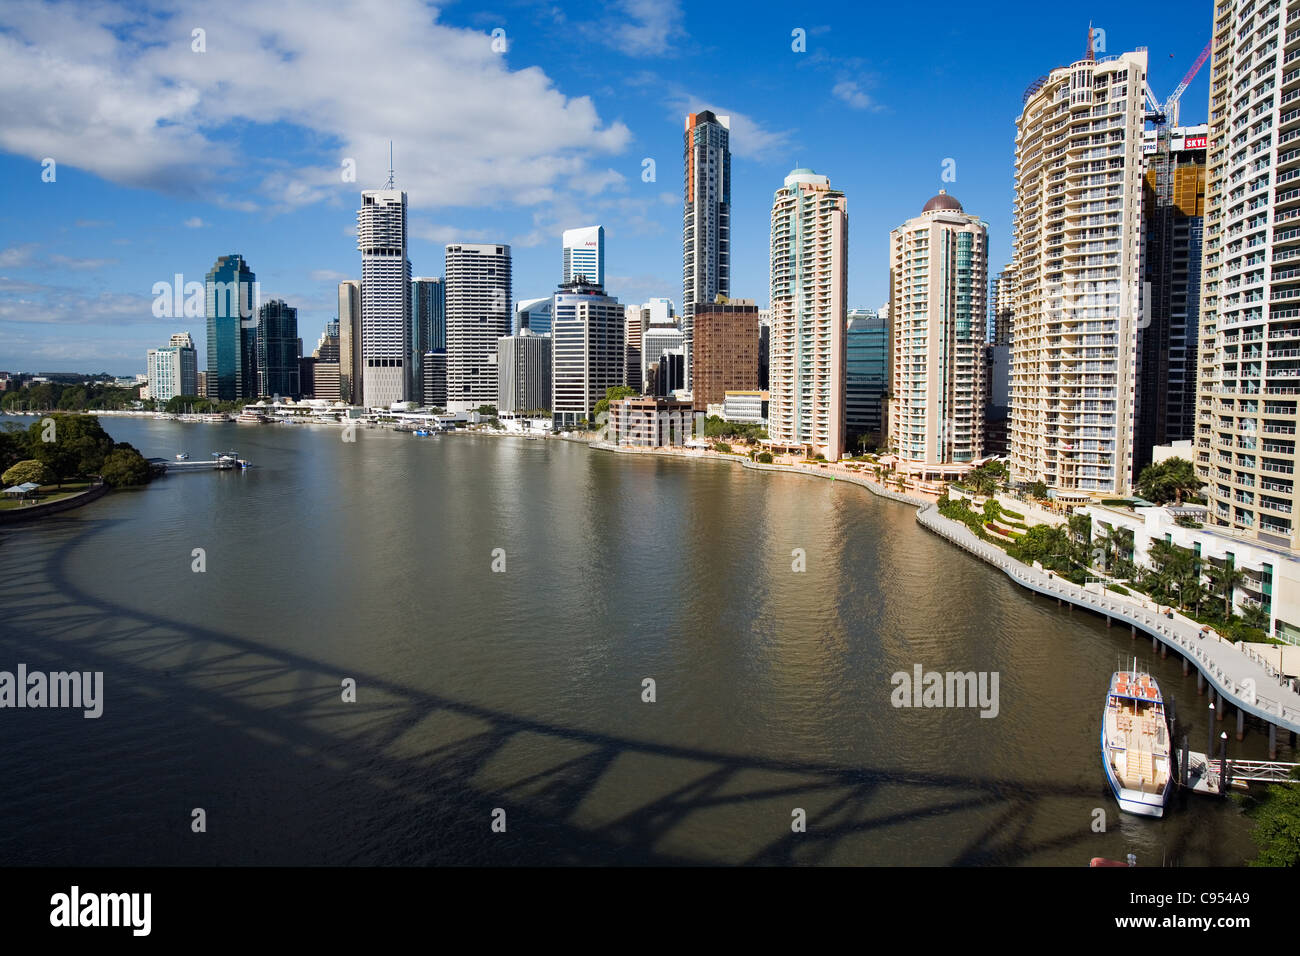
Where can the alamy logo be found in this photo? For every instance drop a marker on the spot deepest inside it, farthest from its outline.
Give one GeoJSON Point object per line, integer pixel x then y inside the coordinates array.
{"type": "Point", "coordinates": [954, 689]}
{"type": "Point", "coordinates": [102, 909]}
{"type": "Point", "coordinates": [74, 689]}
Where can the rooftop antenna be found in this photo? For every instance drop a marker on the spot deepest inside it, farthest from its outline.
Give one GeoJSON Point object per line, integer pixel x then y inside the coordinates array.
{"type": "Point", "coordinates": [389, 184]}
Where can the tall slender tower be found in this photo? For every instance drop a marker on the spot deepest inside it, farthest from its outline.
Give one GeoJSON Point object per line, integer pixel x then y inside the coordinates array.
{"type": "Point", "coordinates": [350, 379]}
{"type": "Point", "coordinates": [478, 316]}
{"type": "Point", "coordinates": [706, 221]}
{"type": "Point", "coordinates": [1078, 265]}
{"type": "Point", "coordinates": [385, 297]}
{"type": "Point", "coordinates": [1249, 379]}
{"type": "Point", "coordinates": [810, 246]}
{"type": "Point", "coordinates": [939, 264]}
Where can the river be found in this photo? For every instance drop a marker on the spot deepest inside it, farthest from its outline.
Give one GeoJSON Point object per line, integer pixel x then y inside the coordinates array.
{"type": "Point", "coordinates": [516, 695]}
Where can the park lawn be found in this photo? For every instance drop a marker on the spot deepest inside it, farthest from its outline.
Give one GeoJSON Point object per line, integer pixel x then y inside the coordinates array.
{"type": "Point", "coordinates": [48, 493]}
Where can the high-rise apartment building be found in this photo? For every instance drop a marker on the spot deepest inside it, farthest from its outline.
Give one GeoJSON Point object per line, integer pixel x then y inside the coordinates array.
{"type": "Point", "coordinates": [231, 308]}
{"type": "Point", "coordinates": [1002, 293]}
{"type": "Point", "coordinates": [523, 373]}
{"type": "Point", "coordinates": [706, 222]}
{"type": "Point", "coordinates": [1249, 378]}
{"type": "Point", "coordinates": [428, 325]}
{"type": "Point", "coordinates": [173, 370]}
{"type": "Point", "coordinates": [726, 351]}
{"type": "Point", "coordinates": [587, 351]}
{"type": "Point", "coordinates": [478, 315]}
{"type": "Point", "coordinates": [866, 377]}
{"type": "Point", "coordinates": [350, 377]}
{"type": "Point", "coordinates": [1078, 267]}
{"type": "Point", "coordinates": [1174, 207]}
{"type": "Point", "coordinates": [809, 276]}
{"type": "Point", "coordinates": [584, 254]}
{"type": "Point", "coordinates": [938, 281]}
{"type": "Point", "coordinates": [385, 297]}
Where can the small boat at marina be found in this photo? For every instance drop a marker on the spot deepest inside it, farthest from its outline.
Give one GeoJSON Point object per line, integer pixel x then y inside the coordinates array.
{"type": "Point", "coordinates": [1135, 744]}
{"type": "Point", "coordinates": [182, 456]}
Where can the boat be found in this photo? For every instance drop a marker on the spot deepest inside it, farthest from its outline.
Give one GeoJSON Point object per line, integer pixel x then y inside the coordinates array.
{"type": "Point", "coordinates": [250, 417]}
{"type": "Point", "coordinates": [1135, 745]}
{"type": "Point", "coordinates": [182, 456]}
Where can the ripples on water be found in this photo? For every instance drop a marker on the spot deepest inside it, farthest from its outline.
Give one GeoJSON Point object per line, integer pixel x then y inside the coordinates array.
{"type": "Point", "coordinates": [522, 690]}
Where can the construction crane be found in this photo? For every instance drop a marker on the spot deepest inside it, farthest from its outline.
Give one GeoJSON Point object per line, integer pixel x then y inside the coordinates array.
{"type": "Point", "coordinates": [1168, 113]}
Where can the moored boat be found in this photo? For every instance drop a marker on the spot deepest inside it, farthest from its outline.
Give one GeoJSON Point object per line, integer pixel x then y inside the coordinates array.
{"type": "Point", "coordinates": [1135, 745]}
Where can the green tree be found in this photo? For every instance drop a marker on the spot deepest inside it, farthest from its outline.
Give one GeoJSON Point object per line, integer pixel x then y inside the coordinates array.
{"type": "Point", "coordinates": [763, 458]}
{"type": "Point", "coordinates": [25, 471]}
{"type": "Point", "coordinates": [1037, 489]}
{"type": "Point", "coordinates": [992, 510]}
{"type": "Point", "coordinates": [1227, 578]}
{"type": "Point", "coordinates": [125, 467]}
{"type": "Point", "coordinates": [1277, 824]}
{"type": "Point", "coordinates": [613, 394]}
{"type": "Point", "coordinates": [1170, 480]}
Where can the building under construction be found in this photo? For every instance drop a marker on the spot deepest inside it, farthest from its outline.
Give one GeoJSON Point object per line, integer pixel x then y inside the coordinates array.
{"type": "Point", "coordinates": [1174, 209]}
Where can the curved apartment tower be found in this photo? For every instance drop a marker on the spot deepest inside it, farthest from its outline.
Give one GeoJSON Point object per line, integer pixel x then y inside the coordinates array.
{"type": "Point", "coordinates": [1249, 375]}
{"type": "Point", "coordinates": [810, 246]}
{"type": "Point", "coordinates": [1078, 265]}
{"type": "Point", "coordinates": [938, 281]}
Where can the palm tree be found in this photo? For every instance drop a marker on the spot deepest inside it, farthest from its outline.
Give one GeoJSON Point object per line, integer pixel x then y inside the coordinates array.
{"type": "Point", "coordinates": [1227, 578]}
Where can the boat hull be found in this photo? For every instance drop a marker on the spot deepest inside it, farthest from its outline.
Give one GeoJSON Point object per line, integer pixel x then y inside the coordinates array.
{"type": "Point", "coordinates": [1133, 801]}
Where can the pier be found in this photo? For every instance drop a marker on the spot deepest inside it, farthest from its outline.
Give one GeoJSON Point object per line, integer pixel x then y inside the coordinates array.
{"type": "Point", "coordinates": [1234, 674]}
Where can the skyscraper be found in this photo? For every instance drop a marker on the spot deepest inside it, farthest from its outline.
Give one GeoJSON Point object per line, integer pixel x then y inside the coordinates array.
{"type": "Point", "coordinates": [278, 370]}
{"type": "Point", "coordinates": [534, 315]}
{"type": "Point", "coordinates": [350, 378]}
{"type": "Point", "coordinates": [706, 221]}
{"type": "Point", "coordinates": [231, 309]}
{"type": "Point", "coordinates": [1174, 209]}
{"type": "Point", "coordinates": [1002, 291]}
{"type": "Point", "coordinates": [809, 253]}
{"type": "Point", "coordinates": [523, 373]}
{"type": "Point", "coordinates": [634, 323]}
{"type": "Point", "coordinates": [478, 315]}
{"type": "Point", "coordinates": [656, 340]}
{"type": "Point", "coordinates": [726, 351]}
{"type": "Point", "coordinates": [385, 297]}
{"type": "Point", "coordinates": [939, 282]}
{"type": "Point", "coordinates": [587, 351]}
{"type": "Point", "coordinates": [584, 254]}
{"type": "Point", "coordinates": [1249, 380]}
{"type": "Point", "coordinates": [1078, 228]}
{"type": "Point", "coordinates": [428, 326]}
{"type": "Point", "coordinates": [866, 346]}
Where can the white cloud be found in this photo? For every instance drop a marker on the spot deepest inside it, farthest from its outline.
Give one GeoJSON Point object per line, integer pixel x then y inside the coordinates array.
{"type": "Point", "coordinates": [117, 91]}
{"type": "Point", "coordinates": [194, 222]}
{"type": "Point", "coordinates": [37, 304]}
{"type": "Point", "coordinates": [640, 27]}
{"type": "Point", "coordinates": [328, 275]}
{"type": "Point", "coordinates": [853, 94]}
{"type": "Point", "coordinates": [749, 138]}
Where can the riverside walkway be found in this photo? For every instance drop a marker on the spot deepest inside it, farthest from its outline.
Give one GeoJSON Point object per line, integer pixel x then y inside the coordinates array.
{"type": "Point", "coordinates": [1233, 673]}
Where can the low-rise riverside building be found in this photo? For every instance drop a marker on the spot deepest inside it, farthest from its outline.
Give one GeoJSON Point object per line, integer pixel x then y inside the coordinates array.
{"type": "Point", "coordinates": [1270, 574]}
{"type": "Point", "coordinates": [649, 422]}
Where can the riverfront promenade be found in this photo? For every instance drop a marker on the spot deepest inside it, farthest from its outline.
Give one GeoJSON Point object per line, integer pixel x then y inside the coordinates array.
{"type": "Point", "coordinates": [1233, 673]}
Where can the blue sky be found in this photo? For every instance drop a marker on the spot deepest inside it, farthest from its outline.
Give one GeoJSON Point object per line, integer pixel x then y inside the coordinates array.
{"type": "Point", "coordinates": [167, 157]}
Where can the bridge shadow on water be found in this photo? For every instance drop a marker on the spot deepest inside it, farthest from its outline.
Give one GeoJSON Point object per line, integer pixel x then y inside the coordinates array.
{"type": "Point", "coordinates": [288, 774]}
